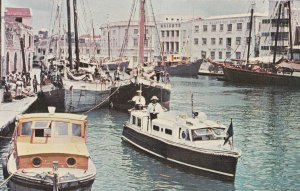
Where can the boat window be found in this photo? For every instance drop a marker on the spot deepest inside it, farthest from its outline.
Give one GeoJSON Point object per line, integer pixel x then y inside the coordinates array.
{"type": "Point", "coordinates": [185, 135]}
{"type": "Point", "coordinates": [139, 122]}
{"type": "Point", "coordinates": [202, 134]}
{"type": "Point", "coordinates": [155, 127]}
{"type": "Point", "coordinates": [218, 131]}
{"type": "Point", "coordinates": [41, 124]}
{"type": "Point", "coordinates": [168, 131]}
{"type": "Point", "coordinates": [39, 132]}
{"type": "Point", "coordinates": [133, 119]}
{"type": "Point", "coordinates": [26, 128]}
{"type": "Point", "coordinates": [76, 130]}
{"type": "Point", "coordinates": [61, 128]}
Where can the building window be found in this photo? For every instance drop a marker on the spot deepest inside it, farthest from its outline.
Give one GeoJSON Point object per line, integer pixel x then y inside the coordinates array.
{"type": "Point", "coordinates": [196, 29]}
{"type": "Point", "coordinates": [135, 59]}
{"type": "Point", "coordinates": [203, 54]}
{"type": "Point", "coordinates": [265, 34]}
{"type": "Point", "coordinates": [135, 31]}
{"type": "Point", "coordinates": [133, 119]}
{"type": "Point", "coordinates": [238, 40]}
{"type": "Point", "coordinates": [214, 28]}
{"type": "Point", "coordinates": [177, 33]}
{"type": "Point", "coordinates": [220, 41]}
{"type": "Point", "coordinates": [247, 40]}
{"type": "Point", "coordinates": [204, 28]}
{"type": "Point", "coordinates": [229, 27]}
{"type": "Point", "coordinates": [239, 26]}
{"type": "Point", "coordinates": [98, 51]}
{"type": "Point", "coordinates": [228, 41]}
{"type": "Point", "coordinates": [172, 33]}
{"type": "Point", "coordinates": [135, 42]}
{"type": "Point", "coordinates": [238, 55]}
{"type": "Point", "coordinates": [221, 27]}
{"type": "Point", "coordinates": [139, 122]}
{"type": "Point", "coordinates": [155, 128]}
{"type": "Point", "coordinates": [213, 41]}
{"type": "Point", "coordinates": [265, 21]}
{"type": "Point", "coordinates": [265, 48]}
{"type": "Point", "coordinates": [168, 33]}
{"type": "Point", "coordinates": [228, 55]}
{"type": "Point", "coordinates": [204, 41]}
{"type": "Point", "coordinates": [220, 55]}
{"type": "Point", "coordinates": [212, 55]}
{"type": "Point", "coordinates": [163, 33]}
{"type": "Point", "coordinates": [114, 32]}
{"type": "Point", "coordinates": [196, 41]}
{"type": "Point", "coordinates": [248, 26]}
{"type": "Point", "coordinates": [168, 131]}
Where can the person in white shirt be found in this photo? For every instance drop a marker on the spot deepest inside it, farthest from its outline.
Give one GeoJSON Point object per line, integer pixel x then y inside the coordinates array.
{"type": "Point", "coordinates": [154, 108]}
{"type": "Point", "coordinates": [139, 100]}
{"type": "Point", "coordinates": [19, 87]}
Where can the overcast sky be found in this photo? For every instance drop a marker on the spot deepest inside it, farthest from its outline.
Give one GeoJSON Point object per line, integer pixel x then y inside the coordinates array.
{"type": "Point", "coordinates": [100, 10]}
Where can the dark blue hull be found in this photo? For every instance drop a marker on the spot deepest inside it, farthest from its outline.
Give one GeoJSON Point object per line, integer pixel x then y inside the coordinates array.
{"type": "Point", "coordinates": [190, 69]}
{"type": "Point", "coordinates": [220, 166]}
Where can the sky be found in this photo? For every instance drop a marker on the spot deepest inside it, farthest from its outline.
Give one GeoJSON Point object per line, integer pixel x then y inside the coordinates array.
{"type": "Point", "coordinates": [102, 11]}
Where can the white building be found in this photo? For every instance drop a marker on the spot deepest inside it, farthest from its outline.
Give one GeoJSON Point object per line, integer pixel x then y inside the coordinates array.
{"type": "Point", "coordinates": [18, 25]}
{"type": "Point", "coordinates": [224, 37]}
{"type": "Point", "coordinates": [115, 34]}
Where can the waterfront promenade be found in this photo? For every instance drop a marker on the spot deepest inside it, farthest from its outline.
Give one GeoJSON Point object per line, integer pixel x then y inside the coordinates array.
{"type": "Point", "coordinates": [10, 110]}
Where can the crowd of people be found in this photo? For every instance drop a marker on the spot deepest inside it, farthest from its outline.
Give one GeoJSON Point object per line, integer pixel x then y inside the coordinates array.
{"type": "Point", "coordinates": [18, 85]}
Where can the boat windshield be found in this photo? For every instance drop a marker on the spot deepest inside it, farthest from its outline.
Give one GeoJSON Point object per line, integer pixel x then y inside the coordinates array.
{"type": "Point", "coordinates": [208, 133]}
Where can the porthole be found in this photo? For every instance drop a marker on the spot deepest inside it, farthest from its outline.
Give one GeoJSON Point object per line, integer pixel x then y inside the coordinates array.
{"type": "Point", "coordinates": [36, 162]}
{"type": "Point", "coordinates": [71, 161]}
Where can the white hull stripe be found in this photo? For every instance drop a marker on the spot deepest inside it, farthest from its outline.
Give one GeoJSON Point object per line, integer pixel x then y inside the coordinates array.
{"type": "Point", "coordinates": [182, 163]}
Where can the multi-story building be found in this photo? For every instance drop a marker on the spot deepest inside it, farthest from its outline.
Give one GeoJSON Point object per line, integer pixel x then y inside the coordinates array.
{"type": "Point", "coordinates": [269, 27]}
{"type": "Point", "coordinates": [124, 41]}
{"type": "Point", "coordinates": [224, 37]}
{"type": "Point", "coordinates": [18, 26]}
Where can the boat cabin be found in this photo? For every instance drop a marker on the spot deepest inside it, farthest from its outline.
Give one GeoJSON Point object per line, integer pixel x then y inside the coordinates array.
{"type": "Point", "coordinates": [42, 138]}
{"type": "Point", "coordinates": [181, 129]}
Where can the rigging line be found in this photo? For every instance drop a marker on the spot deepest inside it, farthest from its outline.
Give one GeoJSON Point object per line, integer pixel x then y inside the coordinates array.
{"type": "Point", "coordinates": [6, 180]}
{"type": "Point", "coordinates": [155, 24]}
{"type": "Point", "coordinates": [125, 40]}
{"type": "Point", "coordinates": [52, 7]}
{"type": "Point", "coordinates": [85, 16]}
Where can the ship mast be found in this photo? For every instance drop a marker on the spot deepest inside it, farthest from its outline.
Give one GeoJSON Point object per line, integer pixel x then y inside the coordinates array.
{"type": "Point", "coordinates": [250, 30]}
{"type": "Point", "coordinates": [76, 34]}
{"type": "Point", "coordinates": [142, 32]}
{"type": "Point", "coordinates": [290, 29]}
{"type": "Point", "coordinates": [69, 34]}
{"type": "Point", "coordinates": [276, 34]}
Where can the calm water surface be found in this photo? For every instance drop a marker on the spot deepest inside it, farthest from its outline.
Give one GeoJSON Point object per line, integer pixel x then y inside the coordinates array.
{"type": "Point", "coordinates": [266, 124]}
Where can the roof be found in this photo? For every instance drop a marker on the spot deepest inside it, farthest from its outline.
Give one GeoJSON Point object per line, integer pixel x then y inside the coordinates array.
{"type": "Point", "coordinates": [17, 12]}
{"type": "Point", "coordinates": [66, 116]}
{"type": "Point", "coordinates": [73, 148]}
{"type": "Point", "coordinates": [235, 16]}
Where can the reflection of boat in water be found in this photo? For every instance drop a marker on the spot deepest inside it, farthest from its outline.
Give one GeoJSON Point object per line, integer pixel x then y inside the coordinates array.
{"type": "Point", "coordinates": [49, 151]}
{"type": "Point", "coordinates": [179, 67]}
{"type": "Point", "coordinates": [194, 143]}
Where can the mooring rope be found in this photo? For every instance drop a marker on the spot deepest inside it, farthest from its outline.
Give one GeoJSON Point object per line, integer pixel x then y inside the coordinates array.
{"type": "Point", "coordinates": [6, 180]}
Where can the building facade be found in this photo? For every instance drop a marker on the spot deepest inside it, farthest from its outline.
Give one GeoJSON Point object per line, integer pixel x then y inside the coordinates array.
{"type": "Point", "coordinates": [18, 27]}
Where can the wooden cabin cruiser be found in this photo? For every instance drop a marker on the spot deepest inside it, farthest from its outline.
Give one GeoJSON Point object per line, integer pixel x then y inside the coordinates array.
{"type": "Point", "coordinates": [49, 152]}
{"type": "Point", "coordinates": [193, 143]}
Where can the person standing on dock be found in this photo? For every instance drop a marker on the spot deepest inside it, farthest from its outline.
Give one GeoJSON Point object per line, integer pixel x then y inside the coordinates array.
{"type": "Point", "coordinates": [35, 84]}
{"type": "Point", "coordinates": [19, 88]}
{"type": "Point", "coordinates": [139, 101]}
{"type": "Point", "coordinates": [154, 108]}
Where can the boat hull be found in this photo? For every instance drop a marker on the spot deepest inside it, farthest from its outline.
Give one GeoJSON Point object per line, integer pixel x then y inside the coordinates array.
{"type": "Point", "coordinates": [74, 99]}
{"type": "Point", "coordinates": [190, 69]}
{"type": "Point", "coordinates": [220, 166]}
{"type": "Point", "coordinates": [114, 65]}
{"type": "Point", "coordinates": [120, 96]}
{"type": "Point", "coordinates": [261, 78]}
{"type": "Point", "coordinates": [25, 184]}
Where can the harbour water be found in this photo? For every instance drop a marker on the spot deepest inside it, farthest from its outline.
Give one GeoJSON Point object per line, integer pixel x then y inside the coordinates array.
{"type": "Point", "coordinates": [266, 128]}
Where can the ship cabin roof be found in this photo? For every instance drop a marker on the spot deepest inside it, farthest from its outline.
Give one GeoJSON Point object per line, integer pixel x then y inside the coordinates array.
{"type": "Point", "coordinates": [45, 133]}
{"type": "Point", "coordinates": [178, 126]}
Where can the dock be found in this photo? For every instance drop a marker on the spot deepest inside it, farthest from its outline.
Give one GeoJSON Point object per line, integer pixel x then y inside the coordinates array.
{"type": "Point", "coordinates": [10, 110]}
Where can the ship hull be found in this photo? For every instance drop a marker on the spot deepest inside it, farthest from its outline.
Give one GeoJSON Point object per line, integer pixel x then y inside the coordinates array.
{"type": "Point", "coordinates": [219, 166]}
{"type": "Point", "coordinates": [261, 78]}
{"type": "Point", "coordinates": [120, 96]}
{"type": "Point", "coordinates": [190, 69]}
{"type": "Point", "coordinates": [114, 65]}
{"type": "Point", "coordinates": [75, 99]}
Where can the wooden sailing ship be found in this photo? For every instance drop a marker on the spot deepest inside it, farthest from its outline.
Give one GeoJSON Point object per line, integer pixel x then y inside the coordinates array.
{"type": "Point", "coordinates": [49, 152]}
{"type": "Point", "coordinates": [274, 75]}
